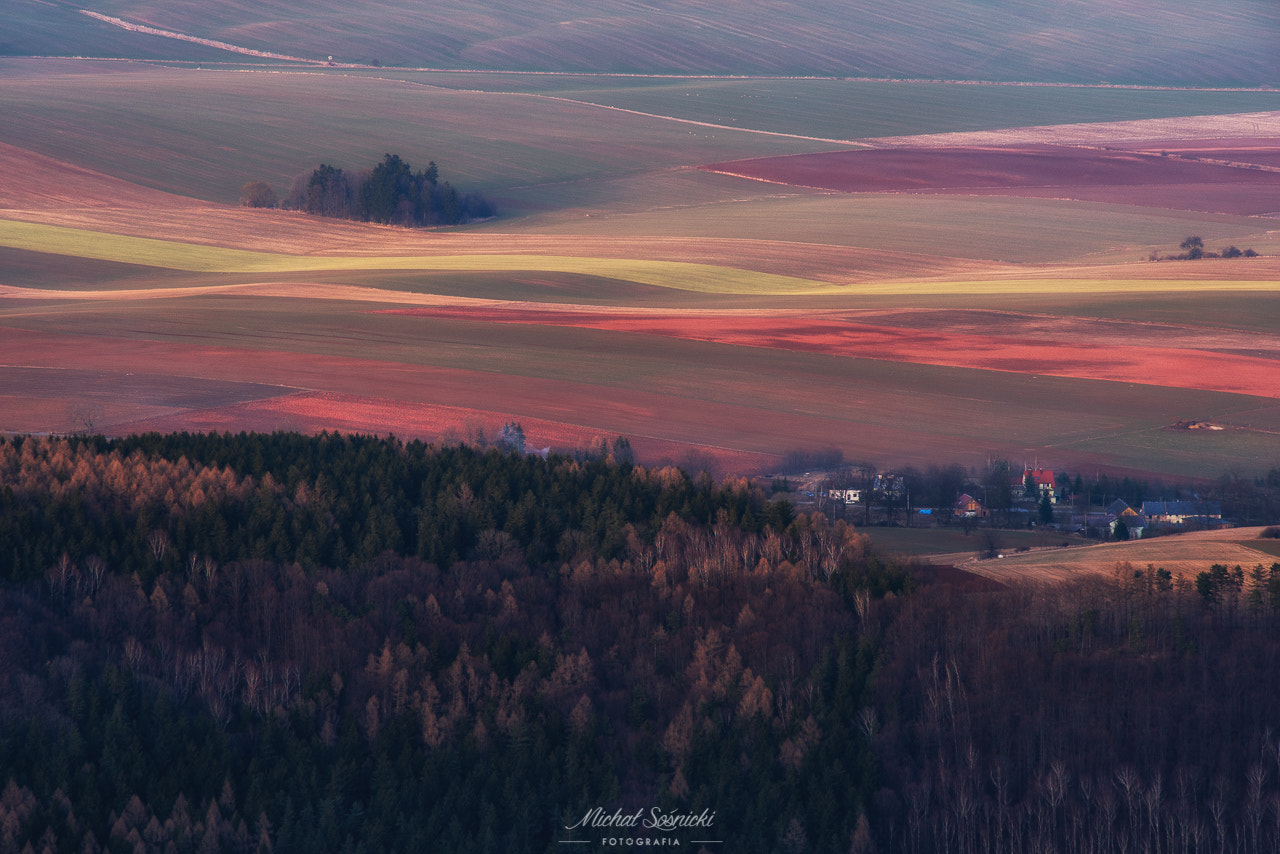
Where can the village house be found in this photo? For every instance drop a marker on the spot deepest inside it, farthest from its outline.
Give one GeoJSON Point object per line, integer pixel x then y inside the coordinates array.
{"type": "Point", "coordinates": [890, 484]}
{"type": "Point", "coordinates": [1182, 512]}
{"type": "Point", "coordinates": [1043, 480]}
{"type": "Point", "coordinates": [1119, 511]}
{"type": "Point", "coordinates": [1120, 507]}
{"type": "Point", "coordinates": [1135, 525]}
{"type": "Point", "coordinates": [968, 507]}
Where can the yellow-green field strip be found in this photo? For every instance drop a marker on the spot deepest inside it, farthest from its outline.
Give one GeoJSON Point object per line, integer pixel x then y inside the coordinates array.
{"type": "Point", "coordinates": [187, 257]}
{"type": "Point", "coordinates": [701, 278]}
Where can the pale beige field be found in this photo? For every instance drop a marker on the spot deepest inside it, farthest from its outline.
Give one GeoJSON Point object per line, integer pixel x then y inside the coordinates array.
{"type": "Point", "coordinates": [1235, 126]}
{"type": "Point", "coordinates": [1181, 554]}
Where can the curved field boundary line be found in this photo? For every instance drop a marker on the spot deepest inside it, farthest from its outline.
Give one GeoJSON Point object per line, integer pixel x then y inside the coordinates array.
{"type": "Point", "coordinates": [170, 34]}
{"type": "Point", "coordinates": [595, 105]}
{"type": "Point", "coordinates": [711, 125]}
{"type": "Point", "coordinates": [188, 257]}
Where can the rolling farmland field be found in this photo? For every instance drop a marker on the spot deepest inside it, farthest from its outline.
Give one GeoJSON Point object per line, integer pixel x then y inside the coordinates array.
{"type": "Point", "coordinates": [1124, 41]}
{"type": "Point", "coordinates": [1183, 556]}
{"type": "Point", "coordinates": [844, 321]}
{"type": "Point", "coordinates": [630, 285]}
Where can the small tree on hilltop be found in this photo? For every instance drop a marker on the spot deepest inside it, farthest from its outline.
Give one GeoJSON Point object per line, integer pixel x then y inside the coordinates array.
{"type": "Point", "coordinates": [1194, 246]}
{"type": "Point", "coordinates": [257, 194]}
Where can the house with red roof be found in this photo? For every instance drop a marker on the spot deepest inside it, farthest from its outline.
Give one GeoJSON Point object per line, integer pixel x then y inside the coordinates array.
{"type": "Point", "coordinates": [1044, 480]}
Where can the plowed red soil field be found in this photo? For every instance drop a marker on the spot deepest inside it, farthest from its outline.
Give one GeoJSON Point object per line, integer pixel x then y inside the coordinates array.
{"type": "Point", "coordinates": [1050, 346]}
{"type": "Point", "coordinates": [310, 392]}
{"type": "Point", "coordinates": [1087, 174]}
{"type": "Point", "coordinates": [1261, 152]}
{"type": "Point", "coordinates": [311, 412]}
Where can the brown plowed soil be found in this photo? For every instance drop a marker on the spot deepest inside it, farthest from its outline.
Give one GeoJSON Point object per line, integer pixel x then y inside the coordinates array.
{"type": "Point", "coordinates": [49, 184]}
{"type": "Point", "coordinates": [1054, 171]}
{"type": "Point", "coordinates": [1263, 151]}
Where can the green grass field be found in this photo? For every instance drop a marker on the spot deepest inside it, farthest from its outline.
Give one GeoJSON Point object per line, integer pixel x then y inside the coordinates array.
{"type": "Point", "coordinates": [275, 126]}
{"type": "Point", "coordinates": [843, 109]}
{"type": "Point", "coordinates": [953, 540]}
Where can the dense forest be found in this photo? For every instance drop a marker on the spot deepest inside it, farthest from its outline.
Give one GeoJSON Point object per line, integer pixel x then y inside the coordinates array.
{"type": "Point", "coordinates": [390, 193]}
{"type": "Point", "coordinates": [339, 643]}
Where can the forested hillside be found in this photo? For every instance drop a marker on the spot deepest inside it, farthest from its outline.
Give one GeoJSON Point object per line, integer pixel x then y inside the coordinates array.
{"type": "Point", "coordinates": [289, 643]}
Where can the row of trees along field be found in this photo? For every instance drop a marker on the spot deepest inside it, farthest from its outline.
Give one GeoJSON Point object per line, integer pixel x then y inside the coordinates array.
{"type": "Point", "coordinates": [389, 193]}
{"type": "Point", "coordinates": [289, 643]}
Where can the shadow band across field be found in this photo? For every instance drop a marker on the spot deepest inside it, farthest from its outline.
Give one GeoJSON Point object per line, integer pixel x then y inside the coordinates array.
{"type": "Point", "coordinates": [33, 399]}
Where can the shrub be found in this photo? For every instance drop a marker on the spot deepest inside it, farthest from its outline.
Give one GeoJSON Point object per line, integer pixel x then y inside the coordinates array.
{"type": "Point", "coordinates": [257, 194]}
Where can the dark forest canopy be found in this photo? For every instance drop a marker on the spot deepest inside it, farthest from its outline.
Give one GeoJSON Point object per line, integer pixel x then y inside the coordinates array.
{"type": "Point", "coordinates": [345, 643]}
{"type": "Point", "coordinates": [390, 193]}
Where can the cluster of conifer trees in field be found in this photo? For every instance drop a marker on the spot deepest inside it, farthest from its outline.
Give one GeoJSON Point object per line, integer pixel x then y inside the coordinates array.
{"type": "Point", "coordinates": [291, 643]}
{"type": "Point", "coordinates": [390, 193]}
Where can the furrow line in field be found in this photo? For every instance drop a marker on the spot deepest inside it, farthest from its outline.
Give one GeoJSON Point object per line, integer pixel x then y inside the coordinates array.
{"type": "Point", "coordinates": [170, 34]}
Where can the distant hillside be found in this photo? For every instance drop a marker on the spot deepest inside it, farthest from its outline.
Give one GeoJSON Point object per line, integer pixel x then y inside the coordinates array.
{"type": "Point", "coordinates": [1168, 42]}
